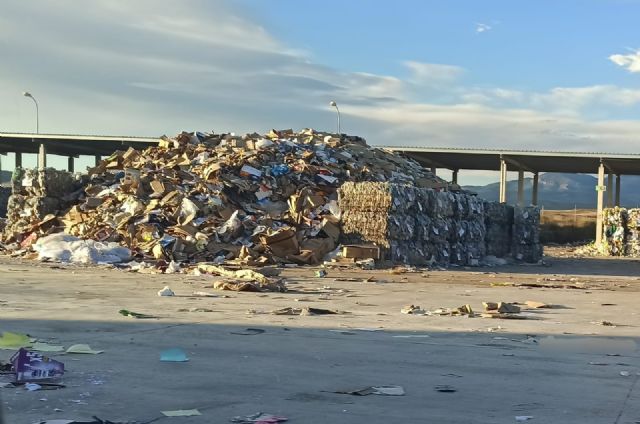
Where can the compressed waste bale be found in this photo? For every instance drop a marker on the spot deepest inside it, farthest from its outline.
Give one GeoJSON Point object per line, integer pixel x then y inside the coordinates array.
{"type": "Point", "coordinates": [614, 224]}
{"type": "Point", "coordinates": [414, 225]}
{"type": "Point", "coordinates": [526, 234]}
{"type": "Point", "coordinates": [498, 218]}
{"type": "Point", "coordinates": [632, 233]}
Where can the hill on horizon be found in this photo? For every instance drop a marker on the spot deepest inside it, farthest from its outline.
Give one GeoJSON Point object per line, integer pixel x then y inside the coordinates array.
{"type": "Point", "coordinates": [563, 191]}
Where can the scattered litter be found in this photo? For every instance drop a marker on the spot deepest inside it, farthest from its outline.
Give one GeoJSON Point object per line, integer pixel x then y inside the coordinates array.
{"type": "Point", "coordinates": [522, 418]}
{"type": "Point", "coordinates": [203, 294]}
{"type": "Point", "coordinates": [412, 310]}
{"type": "Point", "coordinates": [67, 248]}
{"type": "Point", "coordinates": [249, 286]}
{"type": "Point", "coordinates": [136, 315]}
{"type": "Point", "coordinates": [605, 323]}
{"type": "Point", "coordinates": [13, 341]}
{"type": "Point", "coordinates": [166, 291]}
{"type": "Point", "coordinates": [625, 373]}
{"type": "Point", "coordinates": [304, 311]}
{"type": "Point", "coordinates": [172, 268]}
{"type": "Point", "coordinates": [31, 366]}
{"type": "Point", "coordinates": [243, 280]}
{"type": "Point", "coordinates": [46, 347]}
{"type": "Point", "coordinates": [497, 315]}
{"type": "Point", "coordinates": [83, 348]}
{"type": "Point", "coordinates": [181, 413]}
{"type": "Point", "coordinates": [259, 418]}
{"type": "Point", "coordinates": [537, 305]}
{"type": "Point", "coordinates": [374, 390]}
{"type": "Point", "coordinates": [506, 308]}
{"type": "Point", "coordinates": [32, 387]}
{"type": "Point", "coordinates": [412, 336]}
{"type": "Point", "coordinates": [321, 273]}
{"type": "Point", "coordinates": [445, 389]}
{"type": "Point", "coordinates": [96, 420]}
{"type": "Point", "coordinates": [196, 310]}
{"type": "Point", "coordinates": [465, 310]}
{"type": "Point", "coordinates": [173, 355]}
{"type": "Point", "coordinates": [249, 332]}
{"type": "Point", "coordinates": [598, 363]}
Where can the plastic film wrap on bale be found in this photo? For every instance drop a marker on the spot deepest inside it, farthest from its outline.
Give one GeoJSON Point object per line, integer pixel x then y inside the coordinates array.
{"type": "Point", "coordinates": [414, 225]}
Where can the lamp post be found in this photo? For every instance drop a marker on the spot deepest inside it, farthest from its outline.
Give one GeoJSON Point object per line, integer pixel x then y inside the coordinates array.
{"type": "Point", "coordinates": [334, 104]}
{"type": "Point", "coordinates": [42, 153]}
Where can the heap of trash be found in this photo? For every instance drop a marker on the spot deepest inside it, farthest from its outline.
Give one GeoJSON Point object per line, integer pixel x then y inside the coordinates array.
{"type": "Point", "coordinates": [255, 199]}
{"type": "Point", "coordinates": [621, 232]}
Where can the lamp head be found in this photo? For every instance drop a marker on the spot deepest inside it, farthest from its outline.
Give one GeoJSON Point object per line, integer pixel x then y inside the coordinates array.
{"type": "Point", "coordinates": [333, 103]}
{"type": "Point", "coordinates": [26, 94]}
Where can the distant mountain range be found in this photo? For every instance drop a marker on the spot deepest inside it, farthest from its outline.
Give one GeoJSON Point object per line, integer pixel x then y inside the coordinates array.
{"type": "Point", "coordinates": [564, 191]}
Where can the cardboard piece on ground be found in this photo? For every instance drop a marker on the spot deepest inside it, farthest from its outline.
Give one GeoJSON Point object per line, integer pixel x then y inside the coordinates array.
{"type": "Point", "coordinates": [12, 341]}
{"type": "Point", "coordinates": [361, 252]}
{"type": "Point", "coordinates": [83, 348]}
{"type": "Point", "coordinates": [181, 413]}
{"type": "Point", "coordinates": [46, 347]}
{"type": "Point", "coordinates": [31, 366]}
{"type": "Point", "coordinates": [282, 243]}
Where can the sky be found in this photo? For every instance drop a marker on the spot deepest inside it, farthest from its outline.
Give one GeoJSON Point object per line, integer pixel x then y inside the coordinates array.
{"type": "Point", "coordinates": [543, 75]}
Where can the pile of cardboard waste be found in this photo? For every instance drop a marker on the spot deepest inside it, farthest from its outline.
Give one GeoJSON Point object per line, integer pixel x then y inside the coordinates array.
{"type": "Point", "coordinates": [196, 197]}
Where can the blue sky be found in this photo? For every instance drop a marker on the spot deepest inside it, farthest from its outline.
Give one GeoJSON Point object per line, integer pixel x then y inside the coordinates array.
{"type": "Point", "coordinates": [548, 75]}
{"type": "Point", "coordinates": [533, 45]}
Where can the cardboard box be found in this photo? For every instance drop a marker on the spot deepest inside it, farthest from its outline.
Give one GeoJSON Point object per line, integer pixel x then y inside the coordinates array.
{"type": "Point", "coordinates": [282, 243]}
{"type": "Point", "coordinates": [361, 252]}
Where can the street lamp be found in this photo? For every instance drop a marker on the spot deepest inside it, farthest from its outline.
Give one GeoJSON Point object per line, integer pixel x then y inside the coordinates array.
{"type": "Point", "coordinates": [334, 104]}
{"type": "Point", "coordinates": [42, 153]}
{"type": "Point", "coordinates": [27, 94]}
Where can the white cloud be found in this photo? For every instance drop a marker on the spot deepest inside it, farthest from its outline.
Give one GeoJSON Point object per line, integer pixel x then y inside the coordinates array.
{"type": "Point", "coordinates": [631, 61]}
{"type": "Point", "coordinates": [432, 73]}
{"type": "Point", "coordinates": [159, 67]}
{"type": "Point", "coordinates": [480, 27]}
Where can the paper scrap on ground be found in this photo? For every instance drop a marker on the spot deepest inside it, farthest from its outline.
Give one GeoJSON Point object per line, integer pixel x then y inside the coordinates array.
{"type": "Point", "coordinates": [173, 355]}
{"type": "Point", "coordinates": [11, 340]}
{"type": "Point", "coordinates": [83, 348]}
{"type": "Point", "coordinates": [166, 291]}
{"type": "Point", "coordinates": [522, 418]}
{"type": "Point", "coordinates": [181, 413]}
{"type": "Point", "coordinates": [46, 347]}
{"type": "Point", "coordinates": [259, 418]}
{"type": "Point", "coordinates": [375, 390]}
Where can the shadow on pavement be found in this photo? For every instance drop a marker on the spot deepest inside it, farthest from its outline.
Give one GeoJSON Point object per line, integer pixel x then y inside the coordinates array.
{"type": "Point", "coordinates": [292, 371]}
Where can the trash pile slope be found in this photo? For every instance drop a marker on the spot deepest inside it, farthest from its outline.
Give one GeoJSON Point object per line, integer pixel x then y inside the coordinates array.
{"type": "Point", "coordinates": [214, 197]}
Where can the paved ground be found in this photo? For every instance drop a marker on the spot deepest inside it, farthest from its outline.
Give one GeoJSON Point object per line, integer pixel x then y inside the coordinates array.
{"type": "Point", "coordinates": [556, 366]}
